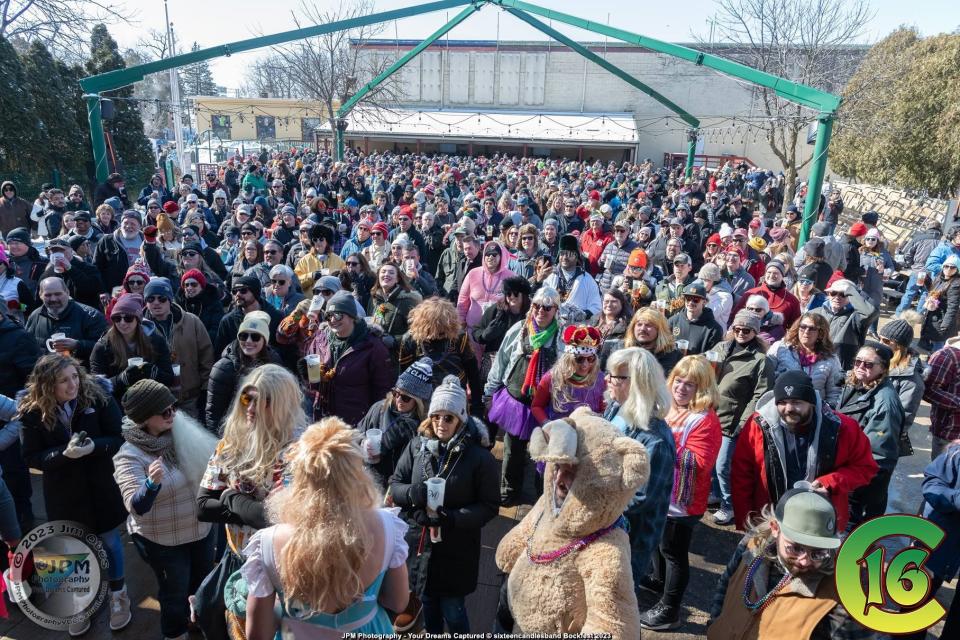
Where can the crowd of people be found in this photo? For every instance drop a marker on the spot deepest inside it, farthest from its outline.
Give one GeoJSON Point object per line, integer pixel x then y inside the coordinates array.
{"type": "Point", "coordinates": [256, 376]}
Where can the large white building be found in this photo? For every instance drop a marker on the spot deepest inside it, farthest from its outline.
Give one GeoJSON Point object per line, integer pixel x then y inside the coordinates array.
{"type": "Point", "coordinates": [586, 111]}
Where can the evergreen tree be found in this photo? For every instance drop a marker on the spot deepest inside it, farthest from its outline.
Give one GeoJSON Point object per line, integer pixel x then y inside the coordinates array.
{"type": "Point", "coordinates": [18, 126]}
{"type": "Point", "coordinates": [197, 78]}
{"type": "Point", "coordinates": [126, 128]}
{"type": "Point", "coordinates": [56, 96]}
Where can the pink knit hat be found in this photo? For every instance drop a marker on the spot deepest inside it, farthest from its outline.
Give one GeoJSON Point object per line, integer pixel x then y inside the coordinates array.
{"type": "Point", "coordinates": [129, 304]}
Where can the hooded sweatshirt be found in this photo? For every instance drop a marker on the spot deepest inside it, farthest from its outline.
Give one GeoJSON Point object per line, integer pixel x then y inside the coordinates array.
{"type": "Point", "coordinates": [14, 212]}
{"type": "Point", "coordinates": [481, 288]}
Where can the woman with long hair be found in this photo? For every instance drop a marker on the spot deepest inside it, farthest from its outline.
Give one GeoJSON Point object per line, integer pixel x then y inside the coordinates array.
{"type": "Point", "coordinates": [71, 431]}
{"type": "Point", "coordinates": [334, 562]}
{"type": "Point", "coordinates": [451, 446]}
{"type": "Point", "coordinates": [870, 399]}
{"type": "Point", "coordinates": [362, 277]}
{"type": "Point", "coordinates": [397, 417]}
{"type": "Point", "coordinates": [744, 373]}
{"type": "Point", "coordinates": [249, 350]}
{"type": "Point", "coordinates": [806, 290]}
{"type": "Point", "coordinates": [436, 333]}
{"type": "Point", "coordinates": [941, 309]}
{"type": "Point", "coordinates": [574, 380]}
{"type": "Point", "coordinates": [638, 402]}
{"type": "Point", "coordinates": [612, 322]}
{"type": "Point", "coordinates": [697, 436]}
{"type": "Point", "coordinates": [906, 372]}
{"type": "Point", "coordinates": [251, 254]}
{"type": "Point", "coordinates": [498, 318]}
{"type": "Point", "coordinates": [391, 301]}
{"type": "Point", "coordinates": [130, 336]}
{"type": "Point", "coordinates": [808, 347]}
{"type": "Point", "coordinates": [156, 472]}
{"type": "Point", "coordinates": [649, 329]}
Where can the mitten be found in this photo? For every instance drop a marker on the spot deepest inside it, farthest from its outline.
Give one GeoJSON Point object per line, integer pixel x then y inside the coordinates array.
{"type": "Point", "coordinates": [418, 495]}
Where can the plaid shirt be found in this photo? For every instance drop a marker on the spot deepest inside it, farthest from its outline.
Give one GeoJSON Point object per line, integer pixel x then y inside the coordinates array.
{"type": "Point", "coordinates": [942, 391]}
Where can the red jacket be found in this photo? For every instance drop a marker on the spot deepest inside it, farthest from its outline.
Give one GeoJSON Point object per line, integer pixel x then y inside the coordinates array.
{"type": "Point", "coordinates": [853, 467]}
{"type": "Point", "coordinates": [592, 246]}
{"type": "Point", "coordinates": [704, 442]}
{"type": "Point", "coordinates": [780, 301]}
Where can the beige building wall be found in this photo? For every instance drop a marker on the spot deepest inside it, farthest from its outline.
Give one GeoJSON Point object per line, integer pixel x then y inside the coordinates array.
{"type": "Point", "coordinates": [258, 118]}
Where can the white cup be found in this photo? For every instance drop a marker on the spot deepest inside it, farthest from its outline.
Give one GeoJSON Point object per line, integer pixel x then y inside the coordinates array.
{"type": "Point", "coordinates": [683, 345]}
{"type": "Point", "coordinates": [176, 374]}
{"type": "Point", "coordinates": [435, 491]}
{"type": "Point", "coordinates": [374, 437]}
{"type": "Point", "coordinates": [314, 374]}
{"type": "Point", "coordinates": [54, 338]}
{"type": "Point", "coordinates": [316, 304]}
{"type": "Point", "coordinates": [713, 356]}
{"type": "Point", "coordinates": [134, 362]}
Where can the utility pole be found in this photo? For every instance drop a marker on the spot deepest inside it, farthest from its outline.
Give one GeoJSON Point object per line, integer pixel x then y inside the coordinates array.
{"type": "Point", "coordinates": [182, 153]}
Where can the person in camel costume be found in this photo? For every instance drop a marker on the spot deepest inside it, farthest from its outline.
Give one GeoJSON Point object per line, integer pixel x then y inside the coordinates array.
{"type": "Point", "coordinates": [569, 559]}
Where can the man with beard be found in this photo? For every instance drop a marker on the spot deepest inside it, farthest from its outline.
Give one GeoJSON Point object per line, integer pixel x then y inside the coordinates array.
{"type": "Point", "coordinates": [780, 578]}
{"type": "Point", "coordinates": [794, 435]}
{"type": "Point", "coordinates": [81, 325]}
{"type": "Point", "coordinates": [578, 291]}
{"type": "Point", "coordinates": [247, 297]}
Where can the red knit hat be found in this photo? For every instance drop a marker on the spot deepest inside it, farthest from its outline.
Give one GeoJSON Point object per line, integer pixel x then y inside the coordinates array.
{"type": "Point", "coordinates": [715, 239]}
{"type": "Point", "coordinates": [194, 274]}
{"type": "Point", "coordinates": [858, 229]}
{"type": "Point", "coordinates": [171, 207]}
{"type": "Point", "coordinates": [381, 227]}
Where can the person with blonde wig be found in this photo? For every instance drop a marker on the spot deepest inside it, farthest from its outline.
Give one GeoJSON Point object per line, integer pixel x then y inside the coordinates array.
{"type": "Point", "coordinates": [334, 562]}
{"type": "Point", "coordinates": [649, 329]}
{"type": "Point", "coordinates": [696, 435]}
{"type": "Point", "coordinates": [638, 403]}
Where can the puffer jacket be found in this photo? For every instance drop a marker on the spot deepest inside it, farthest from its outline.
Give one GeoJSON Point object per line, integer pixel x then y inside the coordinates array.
{"type": "Point", "coordinates": [224, 378]}
{"type": "Point", "coordinates": [614, 260]}
{"type": "Point", "coordinates": [826, 373]}
{"type": "Point", "coordinates": [471, 499]}
{"type": "Point", "coordinates": [919, 248]}
{"type": "Point", "coordinates": [881, 416]}
{"type": "Point", "coordinates": [398, 430]}
{"type": "Point", "coordinates": [743, 375]}
{"type": "Point", "coordinates": [82, 323]}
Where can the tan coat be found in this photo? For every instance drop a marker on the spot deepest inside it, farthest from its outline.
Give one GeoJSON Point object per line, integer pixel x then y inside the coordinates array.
{"type": "Point", "coordinates": [190, 347]}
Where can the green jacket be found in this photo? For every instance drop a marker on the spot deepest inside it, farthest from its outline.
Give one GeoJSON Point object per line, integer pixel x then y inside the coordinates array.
{"type": "Point", "coordinates": [742, 378]}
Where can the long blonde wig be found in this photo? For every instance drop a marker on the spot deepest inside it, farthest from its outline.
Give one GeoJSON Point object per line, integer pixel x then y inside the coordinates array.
{"type": "Point", "coordinates": [648, 396]}
{"type": "Point", "coordinates": [697, 369]}
{"type": "Point", "coordinates": [40, 388]}
{"type": "Point", "coordinates": [324, 506]}
{"type": "Point", "coordinates": [561, 383]}
{"type": "Point", "coordinates": [253, 451]}
{"type": "Point", "coordinates": [664, 341]}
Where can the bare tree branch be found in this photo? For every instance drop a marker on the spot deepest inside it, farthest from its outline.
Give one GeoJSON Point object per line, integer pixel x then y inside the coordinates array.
{"type": "Point", "coordinates": [62, 25]}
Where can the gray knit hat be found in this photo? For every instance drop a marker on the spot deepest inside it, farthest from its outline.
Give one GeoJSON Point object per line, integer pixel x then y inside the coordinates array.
{"type": "Point", "coordinates": [899, 331]}
{"type": "Point", "coordinates": [343, 302]}
{"type": "Point", "coordinates": [746, 318]}
{"type": "Point", "coordinates": [417, 380]}
{"type": "Point", "coordinates": [451, 397]}
{"type": "Point", "coordinates": [145, 399]}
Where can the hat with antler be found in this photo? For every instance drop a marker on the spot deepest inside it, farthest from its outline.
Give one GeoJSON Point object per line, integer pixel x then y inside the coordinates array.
{"type": "Point", "coordinates": [582, 340]}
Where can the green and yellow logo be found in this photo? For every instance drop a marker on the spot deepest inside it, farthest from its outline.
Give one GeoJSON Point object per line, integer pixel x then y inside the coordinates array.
{"type": "Point", "coordinates": [889, 594]}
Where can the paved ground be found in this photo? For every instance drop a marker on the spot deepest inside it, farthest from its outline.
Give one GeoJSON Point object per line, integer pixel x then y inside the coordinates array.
{"type": "Point", "coordinates": [710, 550]}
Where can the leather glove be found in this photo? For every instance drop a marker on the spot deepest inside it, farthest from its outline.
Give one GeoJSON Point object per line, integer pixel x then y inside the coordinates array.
{"type": "Point", "coordinates": [418, 495]}
{"type": "Point", "coordinates": [302, 368]}
{"type": "Point", "coordinates": [74, 451]}
{"type": "Point", "coordinates": [446, 517]}
{"type": "Point", "coordinates": [421, 517]}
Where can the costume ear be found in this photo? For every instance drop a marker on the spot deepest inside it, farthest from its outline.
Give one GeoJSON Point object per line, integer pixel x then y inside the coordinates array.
{"type": "Point", "coordinates": [556, 441]}
{"type": "Point", "coordinates": [636, 464]}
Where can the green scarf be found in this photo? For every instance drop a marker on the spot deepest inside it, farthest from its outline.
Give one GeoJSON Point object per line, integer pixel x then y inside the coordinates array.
{"type": "Point", "coordinates": [538, 339]}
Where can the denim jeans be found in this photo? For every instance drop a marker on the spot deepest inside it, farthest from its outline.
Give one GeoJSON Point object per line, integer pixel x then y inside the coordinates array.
{"type": "Point", "coordinates": [114, 548]}
{"type": "Point", "coordinates": [724, 459]}
{"type": "Point", "coordinates": [179, 570]}
{"type": "Point", "coordinates": [912, 291]}
{"type": "Point", "coordinates": [437, 609]}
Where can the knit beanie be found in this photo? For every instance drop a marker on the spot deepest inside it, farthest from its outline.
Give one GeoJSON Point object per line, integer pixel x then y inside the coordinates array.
{"type": "Point", "coordinates": [158, 287]}
{"type": "Point", "coordinates": [795, 385]}
{"type": "Point", "coordinates": [20, 234]}
{"type": "Point", "coordinates": [250, 282]}
{"type": "Point", "coordinates": [417, 380]}
{"type": "Point", "coordinates": [342, 302]}
{"type": "Point", "coordinates": [899, 331]}
{"type": "Point", "coordinates": [256, 322]}
{"type": "Point", "coordinates": [145, 399]}
{"type": "Point", "coordinates": [194, 274]}
{"type": "Point", "coordinates": [130, 304]}
{"type": "Point", "coordinates": [746, 318]}
{"type": "Point", "coordinates": [170, 207]}
{"type": "Point", "coordinates": [450, 397]}
{"type": "Point", "coordinates": [776, 264]}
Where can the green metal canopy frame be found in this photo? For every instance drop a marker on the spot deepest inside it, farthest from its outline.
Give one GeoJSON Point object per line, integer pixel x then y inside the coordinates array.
{"type": "Point", "coordinates": [825, 103]}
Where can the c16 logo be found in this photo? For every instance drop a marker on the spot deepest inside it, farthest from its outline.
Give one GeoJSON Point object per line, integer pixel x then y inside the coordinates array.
{"type": "Point", "coordinates": [869, 582]}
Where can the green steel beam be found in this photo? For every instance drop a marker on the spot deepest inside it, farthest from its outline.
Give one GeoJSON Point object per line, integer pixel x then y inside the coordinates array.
{"type": "Point", "coordinates": [615, 70]}
{"type": "Point", "coordinates": [407, 57]}
{"type": "Point", "coordinates": [818, 167]}
{"type": "Point", "coordinates": [692, 136]}
{"type": "Point", "coordinates": [97, 142]}
{"type": "Point", "coordinates": [792, 91]}
{"type": "Point", "coordinates": [123, 77]}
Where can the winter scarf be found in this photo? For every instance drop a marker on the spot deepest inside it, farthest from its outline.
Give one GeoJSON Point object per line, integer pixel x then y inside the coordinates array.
{"type": "Point", "coordinates": [160, 446]}
{"type": "Point", "coordinates": [537, 339]}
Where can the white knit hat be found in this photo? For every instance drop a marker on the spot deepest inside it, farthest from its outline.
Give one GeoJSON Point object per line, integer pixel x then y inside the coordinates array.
{"type": "Point", "coordinates": [451, 397]}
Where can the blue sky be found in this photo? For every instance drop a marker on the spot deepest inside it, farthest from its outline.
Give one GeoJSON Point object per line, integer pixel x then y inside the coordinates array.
{"type": "Point", "coordinates": [211, 23]}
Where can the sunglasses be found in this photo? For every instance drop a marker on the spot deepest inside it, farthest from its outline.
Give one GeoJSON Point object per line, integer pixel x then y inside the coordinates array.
{"type": "Point", "coordinates": [742, 331]}
{"type": "Point", "coordinates": [376, 233]}
{"type": "Point", "coordinates": [241, 290]}
{"type": "Point", "coordinates": [585, 359]}
{"type": "Point", "coordinates": [152, 207]}
{"type": "Point", "coordinates": [136, 282]}
{"type": "Point", "coordinates": [446, 418]}
{"type": "Point", "coordinates": [797, 550]}
{"type": "Point", "coordinates": [402, 397]}
{"type": "Point", "coordinates": [679, 263]}
{"type": "Point", "coordinates": [866, 364]}
{"type": "Point", "coordinates": [610, 376]}
{"type": "Point", "coordinates": [326, 293]}
{"type": "Point", "coordinates": [694, 299]}
{"type": "Point", "coordinates": [334, 315]}
{"type": "Point", "coordinates": [836, 294]}
{"type": "Point", "coordinates": [250, 397]}
{"type": "Point", "coordinates": [492, 255]}
{"type": "Point", "coordinates": [805, 282]}
{"type": "Point", "coordinates": [528, 238]}
{"type": "Point", "coordinates": [249, 337]}
{"type": "Point", "coordinates": [246, 233]}
{"type": "Point", "coordinates": [160, 299]}
{"type": "Point", "coordinates": [353, 264]}
{"type": "Point", "coordinates": [278, 283]}
{"type": "Point", "coordinates": [189, 234]}
{"type": "Point", "coordinates": [542, 307]}
{"type": "Point", "coordinates": [122, 317]}
{"type": "Point", "coordinates": [167, 413]}
{"type": "Point", "coordinates": [270, 252]}
{"type": "Point", "coordinates": [190, 284]}
{"type": "Point", "coordinates": [807, 327]}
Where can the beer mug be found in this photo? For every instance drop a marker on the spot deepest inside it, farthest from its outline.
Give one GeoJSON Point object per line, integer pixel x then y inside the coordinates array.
{"type": "Point", "coordinates": [314, 371]}
{"type": "Point", "coordinates": [53, 340]}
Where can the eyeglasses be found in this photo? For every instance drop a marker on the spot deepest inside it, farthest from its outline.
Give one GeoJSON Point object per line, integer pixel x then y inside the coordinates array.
{"type": "Point", "coordinates": [445, 418]}
{"type": "Point", "coordinates": [585, 359]}
{"type": "Point", "coordinates": [353, 264]}
{"type": "Point", "coordinates": [241, 290]}
{"type": "Point", "coordinates": [797, 550]}
{"type": "Point", "coordinates": [334, 315]}
{"type": "Point", "coordinates": [326, 293]}
{"type": "Point", "coordinates": [167, 413]}
{"type": "Point", "coordinates": [542, 307]}
{"type": "Point", "coordinates": [610, 376]}
{"type": "Point", "coordinates": [278, 283]}
{"type": "Point", "coordinates": [527, 238]}
{"type": "Point", "coordinates": [807, 327]}
{"type": "Point", "coordinates": [122, 317]}
{"type": "Point", "coordinates": [402, 397]}
{"type": "Point", "coordinates": [836, 294]}
{"type": "Point", "coordinates": [249, 337]}
{"type": "Point", "coordinates": [866, 364]}
{"type": "Point", "coordinates": [160, 299]}
{"type": "Point", "coordinates": [190, 284]}
{"type": "Point", "coordinates": [742, 331]}
{"type": "Point", "coordinates": [136, 282]}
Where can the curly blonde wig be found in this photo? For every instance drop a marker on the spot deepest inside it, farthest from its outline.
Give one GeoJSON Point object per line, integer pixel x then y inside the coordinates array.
{"type": "Point", "coordinates": [434, 319]}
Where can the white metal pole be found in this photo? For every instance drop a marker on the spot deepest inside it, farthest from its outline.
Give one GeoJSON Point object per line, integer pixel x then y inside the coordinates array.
{"type": "Point", "coordinates": [182, 153]}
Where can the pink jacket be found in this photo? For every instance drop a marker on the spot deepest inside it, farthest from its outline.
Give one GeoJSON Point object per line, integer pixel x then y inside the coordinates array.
{"type": "Point", "coordinates": [481, 288]}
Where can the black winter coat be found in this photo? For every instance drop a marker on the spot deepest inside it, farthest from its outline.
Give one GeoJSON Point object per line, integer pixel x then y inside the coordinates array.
{"type": "Point", "coordinates": [206, 306]}
{"type": "Point", "coordinates": [101, 362]}
{"type": "Point", "coordinates": [941, 324]}
{"type": "Point", "coordinates": [224, 378]}
{"type": "Point", "coordinates": [82, 323]}
{"type": "Point", "coordinates": [471, 500]}
{"type": "Point", "coordinates": [398, 430]}
{"type": "Point", "coordinates": [230, 324]}
{"type": "Point", "coordinates": [83, 282]}
{"type": "Point", "coordinates": [81, 489]}
{"type": "Point", "coordinates": [19, 353]}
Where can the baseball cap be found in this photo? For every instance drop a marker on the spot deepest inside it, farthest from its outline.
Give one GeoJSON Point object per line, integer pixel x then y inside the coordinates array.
{"type": "Point", "coordinates": [808, 518]}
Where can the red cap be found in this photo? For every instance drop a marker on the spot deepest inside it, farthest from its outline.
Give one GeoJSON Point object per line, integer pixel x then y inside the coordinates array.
{"type": "Point", "coordinates": [171, 207]}
{"type": "Point", "coordinates": [595, 195]}
{"type": "Point", "coordinates": [858, 229]}
{"type": "Point", "coordinates": [714, 239]}
{"type": "Point", "coordinates": [754, 224]}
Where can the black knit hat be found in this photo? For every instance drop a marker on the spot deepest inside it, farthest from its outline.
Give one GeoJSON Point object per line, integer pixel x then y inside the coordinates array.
{"type": "Point", "coordinates": [250, 282]}
{"type": "Point", "coordinates": [884, 352]}
{"type": "Point", "coordinates": [795, 385]}
{"type": "Point", "coordinates": [899, 331]}
{"type": "Point", "coordinates": [145, 399]}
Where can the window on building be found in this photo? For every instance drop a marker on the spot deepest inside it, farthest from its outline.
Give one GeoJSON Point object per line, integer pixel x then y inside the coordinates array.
{"type": "Point", "coordinates": [266, 128]}
{"type": "Point", "coordinates": [220, 126]}
{"type": "Point", "coordinates": [307, 126]}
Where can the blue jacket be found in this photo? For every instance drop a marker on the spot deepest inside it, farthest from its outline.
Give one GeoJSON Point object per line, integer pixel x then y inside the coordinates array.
{"type": "Point", "coordinates": [941, 491]}
{"type": "Point", "coordinates": [647, 512]}
{"type": "Point", "coordinates": [939, 255]}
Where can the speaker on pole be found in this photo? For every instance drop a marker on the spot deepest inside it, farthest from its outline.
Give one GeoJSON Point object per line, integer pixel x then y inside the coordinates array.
{"type": "Point", "coordinates": [107, 111]}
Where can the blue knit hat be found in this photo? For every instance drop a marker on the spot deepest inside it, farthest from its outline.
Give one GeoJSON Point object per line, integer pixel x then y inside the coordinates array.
{"type": "Point", "coordinates": [158, 287]}
{"type": "Point", "coordinates": [417, 380]}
